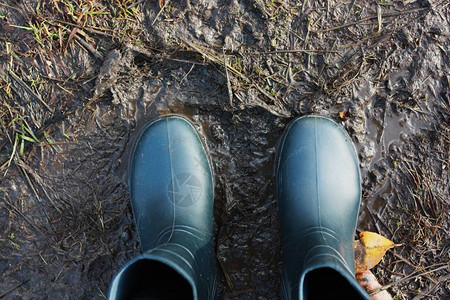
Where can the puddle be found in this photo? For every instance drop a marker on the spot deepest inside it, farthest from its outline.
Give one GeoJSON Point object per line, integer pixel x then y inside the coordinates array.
{"type": "Point", "coordinates": [388, 125]}
{"type": "Point", "coordinates": [387, 131]}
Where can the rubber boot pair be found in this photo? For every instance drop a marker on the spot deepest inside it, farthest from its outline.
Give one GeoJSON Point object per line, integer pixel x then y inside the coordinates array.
{"type": "Point", "coordinates": [171, 189]}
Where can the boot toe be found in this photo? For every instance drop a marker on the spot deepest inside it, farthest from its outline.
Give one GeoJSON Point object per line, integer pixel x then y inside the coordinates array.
{"type": "Point", "coordinates": [170, 181]}
{"type": "Point", "coordinates": [318, 178]}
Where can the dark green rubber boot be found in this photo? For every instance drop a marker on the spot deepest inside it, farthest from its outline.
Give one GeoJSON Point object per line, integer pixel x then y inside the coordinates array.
{"type": "Point", "coordinates": [171, 189]}
{"type": "Point", "coordinates": [319, 192]}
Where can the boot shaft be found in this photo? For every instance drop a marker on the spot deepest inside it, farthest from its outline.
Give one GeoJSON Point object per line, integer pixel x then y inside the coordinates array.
{"type": "Point", "coordinates": [171, 189]}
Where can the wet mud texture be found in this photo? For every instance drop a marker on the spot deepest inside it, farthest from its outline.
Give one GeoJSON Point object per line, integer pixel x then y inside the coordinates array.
{"type": "Point", "coordinates": [66, 225]}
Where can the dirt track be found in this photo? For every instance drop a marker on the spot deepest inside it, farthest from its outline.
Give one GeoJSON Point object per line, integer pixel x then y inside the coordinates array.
{"type": "Point", "coordinates": [78, 81]}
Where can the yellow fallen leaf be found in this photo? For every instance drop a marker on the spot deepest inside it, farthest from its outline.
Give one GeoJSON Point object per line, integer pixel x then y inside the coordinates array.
{"type": "Point", "coordinates": [343, 115]}
{"type": "Point", "coordinates": [369, 250]}
{"type": "Point", "coordinates": [374, 240]}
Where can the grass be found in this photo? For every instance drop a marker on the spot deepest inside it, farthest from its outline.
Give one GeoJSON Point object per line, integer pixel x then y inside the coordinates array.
{"type": "Point", "coordinates": [20, 134]}
{"type": "Point", "coordinates": [53, 26]}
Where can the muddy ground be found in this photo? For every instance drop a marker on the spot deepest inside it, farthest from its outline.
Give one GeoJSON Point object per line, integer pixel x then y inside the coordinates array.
{"type": "Point", "coordinates": [78, 79]}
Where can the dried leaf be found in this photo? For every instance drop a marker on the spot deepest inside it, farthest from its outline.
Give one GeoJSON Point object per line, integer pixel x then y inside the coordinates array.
{"type": "Point", "coordinates": [368, 281]}
{"type": "Point", "coordinates": [374, 240]}
{"type": "Point", "coordinates": [161, 4]}
{"type": "Point", "coordinates": [369, 250]}
{"type": "Point", "coordinates": [343, 115]}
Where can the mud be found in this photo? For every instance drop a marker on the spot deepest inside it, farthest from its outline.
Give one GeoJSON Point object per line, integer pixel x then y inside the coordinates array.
{"type": "Point", "coordinates": [66, 225]}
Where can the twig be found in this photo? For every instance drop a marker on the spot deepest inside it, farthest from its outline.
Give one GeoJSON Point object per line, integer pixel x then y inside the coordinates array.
{"type": "Point", "coordinates": [271, 108]}
{"type": "Point", "coordinates": [88, 46]}
{"type": "Point", "coordinates": [30, 183]}
{"type": "Point", "coordinates": [3, 294]}
{"type": "Point", "coordinates": [25, 218]}
{"type": "Point", "coordinates": [405, 261]}
{"type": "Point", "coordinates": [230, 90]}
{"type": "Point", "coordinates": [135, 4]}
{"type": "Point", "coordinates": [182, 60]}
{"type": "Point", "coordinates": [377, 37]}
{"type": "Point", "coordinates": [387, 15]}
{"type": "Point", "coordinates": [26, 169]}
{"type": "Point", "coordinates": [12, 7]}
{"type": "Point", "coordinates": [296, 51]}
{"type": "Point", "coordinates": [44, 144]}
{"type": "Point", "coordinates": [385, 287]}
{"type": "Point", "coordinates": [432, 288]}
{"type": "Point", "coordinates": [91, 30]}
{"type": "Point", "coordinates": [240, 292]}
{"type": "Point", "coordinates": [154, 55]}
{"type": "Point", "coordinates": [380, 18]}
{"type": "Point", "coordinates": [59, 274]}
{"type": "Point", "coordinates": [28, 89]}
{"type": "Point", "coordinates": [227, 277]}
{"type": "Point", "coordinates": [160, 12]}
{"type": "Point", "coordinates": [187, 74]}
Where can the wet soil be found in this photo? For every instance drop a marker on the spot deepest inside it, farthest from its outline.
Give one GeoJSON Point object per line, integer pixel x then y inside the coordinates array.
{"type": "Point", "coordinates": [66, 225]}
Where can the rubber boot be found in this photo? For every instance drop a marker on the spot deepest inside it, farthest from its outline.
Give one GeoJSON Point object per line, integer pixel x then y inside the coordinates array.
{"type": "Point", "coordinates": [319, 192]}
{"type": "Point", "coordinates": [171, 189]}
